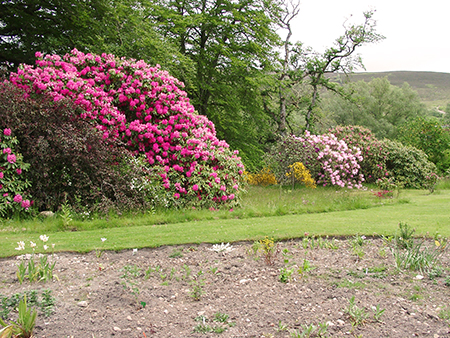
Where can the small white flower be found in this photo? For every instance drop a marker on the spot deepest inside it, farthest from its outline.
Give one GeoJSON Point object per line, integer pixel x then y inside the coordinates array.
{"type": "Point", "coordinates": [43, 238]}
{"type": "Point", "coordinates": [53, 245]}
{"type": "Point", "coordinates": [45, 247]}
{"type": "Point", "coordinates": [222, 247]}
{"type": "Point", "coordinates": [134, 251]}
{"type": "Point", "coordinates": [103, 239]}
{"type": "Point", "coordinates": [21, 246]}
{"type": "Point", "coordinates": [32, 244]}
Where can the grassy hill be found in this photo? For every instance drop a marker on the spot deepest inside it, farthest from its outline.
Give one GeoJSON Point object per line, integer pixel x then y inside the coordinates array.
{"type": "Point", "coordinates": [433, 87]}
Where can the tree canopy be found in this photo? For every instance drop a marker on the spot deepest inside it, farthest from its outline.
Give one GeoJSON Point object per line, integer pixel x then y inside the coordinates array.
{"type": "Point", "coordinates": [50, 26]}
{"type": "Point", "coordinates": [376, 105]}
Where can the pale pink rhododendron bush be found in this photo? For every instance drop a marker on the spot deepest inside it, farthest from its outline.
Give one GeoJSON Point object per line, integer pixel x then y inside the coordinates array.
{"type": "Point", "coordinates": [340, 163]}
{"type": "Point", "coordinates": [145, 108]}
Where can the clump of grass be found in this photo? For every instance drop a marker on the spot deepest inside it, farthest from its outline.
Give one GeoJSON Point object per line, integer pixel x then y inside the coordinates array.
{"type": "Point", "coordinates": [417, 258]}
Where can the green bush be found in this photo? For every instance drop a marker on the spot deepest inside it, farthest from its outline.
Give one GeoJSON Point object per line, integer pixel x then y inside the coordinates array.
{"type": "Point", "coordinates": [408, 165]}
{"type": "Point", "coordinates": [428, 135]}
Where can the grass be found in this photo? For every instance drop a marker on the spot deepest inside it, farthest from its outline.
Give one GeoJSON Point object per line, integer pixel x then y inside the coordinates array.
{"type": "Point", "coordinates": [257, 202]}
{"type": "Point", "coordinates": [265, 212]}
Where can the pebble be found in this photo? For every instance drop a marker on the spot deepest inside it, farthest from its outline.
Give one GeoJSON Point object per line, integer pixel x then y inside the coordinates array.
{"type": "Point", "coordinates": [116, 328]}
{"type": "Point", "coordinates": [83, 303]}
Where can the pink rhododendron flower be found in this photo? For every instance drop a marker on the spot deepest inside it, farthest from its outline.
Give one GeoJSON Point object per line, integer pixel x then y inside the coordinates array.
{"type": "Point", "coordinates": [7, 132]}
{"type": "Point", "coordinates": [195, 187]}
{"type": "Point", "coordinates": [11, 158]}
{"type": "Point", "coordinates": [7, 151]}
{"type": "Point", "coordinates": [18, 198]}
{"type": "Point", "coordinates": [1, 174]}
{"type": "Point", "coordinates": [19, 171]}
{"type": "Point", "coordinates": [26, 204]}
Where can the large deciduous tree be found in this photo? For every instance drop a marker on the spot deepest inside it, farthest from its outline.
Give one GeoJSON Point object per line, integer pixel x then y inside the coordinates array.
{"type": "Point", "coordinates": [376, 105]}
{"type": "Point", "coordinates": [230, 43]}
{"type": "Point", "coordinates": [117, 27]}
{"type": "Point", "coordinates": [303, 73]}
{"type": "Point", "coordinates": [52, 26]}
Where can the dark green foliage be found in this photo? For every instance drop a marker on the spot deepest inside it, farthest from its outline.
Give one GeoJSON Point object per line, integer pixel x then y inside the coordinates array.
{"type": "Point", "coordinates": [51, 26]}
{"type": "Point", "coordinates": [127, 32]}
{"type": "Point", "coordinates": [409, 166]}
{"type": "Point", "coordinates": [430, 136]}
{"type": "Point", "coordinates": [68, 158]}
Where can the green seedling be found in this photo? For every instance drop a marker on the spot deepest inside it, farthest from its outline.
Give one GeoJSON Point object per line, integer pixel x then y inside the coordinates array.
{"type": "Point", "coordinates": [196, 291]}
{"type": "Point", "coordinates": [358, 316]}
{"type": "Point", "coordinates": [24, 326]}
{"type": "Point", "coordinates": [285, 275]}
{"type": "Point", "coordinates": [377, 313]}
{"type": "Point", "coordinates": [305, 268]}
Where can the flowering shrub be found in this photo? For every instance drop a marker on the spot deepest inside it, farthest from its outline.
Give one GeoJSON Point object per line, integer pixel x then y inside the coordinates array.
{"type": "Point", "coordinates": [388, 183]}
{"type": "Point", "coordinates": [13, 184]}
{"type": "Point", "coordinates": [373, 165]}
{"type": "Point", "coordinates": [329, 160]}
{"type": "Point", "coordinates": [298, 172]}
{"type": "Point", "coordinates": [69, 159]}
{"type": "Point", "coordinates": [264, 177]}
{"type": "Point", "coordinates": [145, 108]}
{"type": "Point", "coordinates": [384, 193]}
{"type": "Point", "coordinates": [430, 182]}
{"type": "Point", "coordinates": [289, 150]}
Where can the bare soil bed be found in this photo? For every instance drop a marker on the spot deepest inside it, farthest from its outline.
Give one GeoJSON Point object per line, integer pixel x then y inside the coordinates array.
{"type": "Point", "coordinates": [193, 291]}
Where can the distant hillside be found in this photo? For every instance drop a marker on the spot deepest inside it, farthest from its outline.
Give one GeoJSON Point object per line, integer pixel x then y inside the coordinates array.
{"type": "Point", "coordinates": [433, 88]}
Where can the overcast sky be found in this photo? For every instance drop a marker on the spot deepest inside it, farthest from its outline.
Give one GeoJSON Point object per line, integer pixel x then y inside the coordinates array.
{"type": "Point", "coordinates": [417, 32]}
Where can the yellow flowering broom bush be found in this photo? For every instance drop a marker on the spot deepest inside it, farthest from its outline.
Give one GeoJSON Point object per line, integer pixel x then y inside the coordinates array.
{"type": "Point", "coordinates": [298, 172]}
{"type": "Point", "coordinates": [264, 177]}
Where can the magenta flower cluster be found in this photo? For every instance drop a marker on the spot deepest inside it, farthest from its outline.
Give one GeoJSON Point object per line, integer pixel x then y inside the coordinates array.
{"type": "Point", "coordinates": [339, 162]}
{"type": "Point", "coordinates": [11, 182]}
{"type": "Point", "coordinates": [146, 108]}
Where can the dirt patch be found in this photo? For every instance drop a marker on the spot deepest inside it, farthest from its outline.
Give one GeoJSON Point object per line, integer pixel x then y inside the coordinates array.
{"type": "Point", "coordinates": [193, 291]}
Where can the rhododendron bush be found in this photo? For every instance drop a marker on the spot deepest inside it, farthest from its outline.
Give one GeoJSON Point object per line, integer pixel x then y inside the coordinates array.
{"type": "Point", "coordinates": [145, 108]}
{"type": "Point", "coordinates": [68, 161]}
{"type": "Point", "coordinates": [330, 161]}
{"type": "Point", "coordinates": [373, 165]}
{"type": "Point", "coordinates": [13, 183]}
